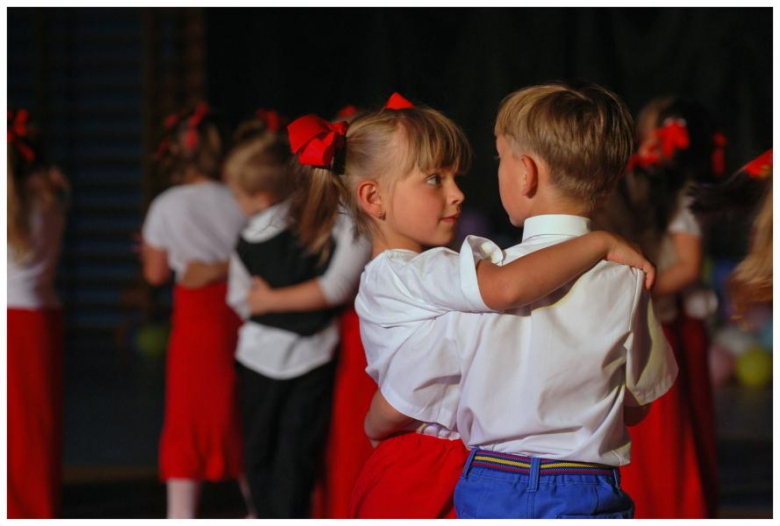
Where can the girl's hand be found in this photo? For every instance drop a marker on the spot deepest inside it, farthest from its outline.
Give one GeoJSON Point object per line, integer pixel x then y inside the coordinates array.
{"type": "Point", "coordinates": [260, 297]}
{"type": "Point", "coordinates": [621, 251]}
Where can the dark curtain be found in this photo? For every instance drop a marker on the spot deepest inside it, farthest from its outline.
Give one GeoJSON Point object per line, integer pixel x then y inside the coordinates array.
{"type": "Point", "coordinates": [465, 60]}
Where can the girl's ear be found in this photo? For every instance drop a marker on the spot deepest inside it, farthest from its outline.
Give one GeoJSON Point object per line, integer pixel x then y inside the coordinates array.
{"type": "Point", "coordinates": [530, 177]}
{"type": "Point", "coordinates": [370, 198]}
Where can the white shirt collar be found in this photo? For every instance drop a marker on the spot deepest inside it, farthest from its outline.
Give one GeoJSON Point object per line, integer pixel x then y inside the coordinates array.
{"type": "Point", "coordinates": [267, 223]}
{"type": "Point", "coordinates": [555, 224]}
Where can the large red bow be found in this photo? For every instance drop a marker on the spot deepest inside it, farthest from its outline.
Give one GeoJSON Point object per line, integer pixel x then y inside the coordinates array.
{"type": "Point", "coordinates": [398, 102]}
{"type": "Point", "coordinates": [17, 131]}
{"type": "Point", "coordinates": [316, 140]}
{"type": "Point", "coordinates": [201, 110]}
{"type": "Point", "coordinates": [273, 120]}
{"type": "Point", "coordinates": [761, 166]}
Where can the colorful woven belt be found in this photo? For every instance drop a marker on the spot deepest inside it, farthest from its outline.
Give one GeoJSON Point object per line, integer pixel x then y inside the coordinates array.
{"type": "Point", "coordinates": [520, 464]}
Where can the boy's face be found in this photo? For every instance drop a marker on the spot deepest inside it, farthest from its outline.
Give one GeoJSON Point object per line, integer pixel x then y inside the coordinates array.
{"type": "Point", "coordinates": [510, 182]}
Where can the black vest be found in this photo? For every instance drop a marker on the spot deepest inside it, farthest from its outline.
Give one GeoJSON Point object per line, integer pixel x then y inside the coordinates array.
{"type": "Point", "coordinates": [282, 261]}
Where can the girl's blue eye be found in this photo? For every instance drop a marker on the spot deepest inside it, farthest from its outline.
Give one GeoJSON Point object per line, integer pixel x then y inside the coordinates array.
{"type": "Point", "coordinates": [434, 180]}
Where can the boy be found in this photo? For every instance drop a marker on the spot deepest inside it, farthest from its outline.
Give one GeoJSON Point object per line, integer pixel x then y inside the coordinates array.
{"type": "Point", "coordinates": [547, 390]}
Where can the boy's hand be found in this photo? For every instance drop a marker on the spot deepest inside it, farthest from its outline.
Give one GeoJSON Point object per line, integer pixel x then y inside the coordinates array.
{"type": "Point", "coordinates": [621, 251]}
{"type": "Point", "coordinates": [260, 297]}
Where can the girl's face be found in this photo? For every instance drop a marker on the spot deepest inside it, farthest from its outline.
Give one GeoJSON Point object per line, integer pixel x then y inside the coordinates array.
{"type": "Point", "coordinates": [423, 210]}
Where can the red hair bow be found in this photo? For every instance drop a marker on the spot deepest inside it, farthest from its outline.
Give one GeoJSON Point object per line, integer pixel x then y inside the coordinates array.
{"type": "Point", "coordinates": [273, 120]}
{"type": "Point", "coordinates": [316, 140]}
{"type": "Point", "coordinates": [673, 135]}
{"type": "Point", "coordinates": [201, 110]}
{"type": "Point", "coordinates": [761, 166]}
{"type": "Point", "coordinates": [719, 154]}
{"type": "Point", "coordinates": [346, 112]}
{"type": "Point", "coordinates": [398, 102]}
{"type": "Point", "coordinates": [17, 130]}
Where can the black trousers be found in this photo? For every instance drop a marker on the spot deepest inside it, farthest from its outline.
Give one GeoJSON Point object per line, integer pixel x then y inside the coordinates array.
{"type": "Point", "coordinates": [285, 429]}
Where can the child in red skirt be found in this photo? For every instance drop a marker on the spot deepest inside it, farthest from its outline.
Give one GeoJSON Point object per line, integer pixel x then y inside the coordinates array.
{"type": "Point", "coordinates": [674, 470]}
{"type": "Point", "coordinates": [36, 218]}
{"type": "Point", "coordinates": [195, 223]}
{"type": "Point", "coordinates": [286, 284]}
{"type": "Point", "coordinates": [395, 170]}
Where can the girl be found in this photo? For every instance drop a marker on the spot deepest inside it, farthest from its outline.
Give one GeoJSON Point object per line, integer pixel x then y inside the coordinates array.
{"type": "Point", "coordinates": [286, 286]}
{"type": "Point", "coordinates": [679, 148]}
{"type": "Point", "coordinates": [195, 221]}
{"type": "Point", "coordinates": [395, 170]}
{"type": "Point", "coordinates": [37, 195]}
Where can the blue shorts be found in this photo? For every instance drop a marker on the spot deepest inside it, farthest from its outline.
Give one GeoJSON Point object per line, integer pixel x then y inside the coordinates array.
{"type": "Point", "coordinates": [501, 486]}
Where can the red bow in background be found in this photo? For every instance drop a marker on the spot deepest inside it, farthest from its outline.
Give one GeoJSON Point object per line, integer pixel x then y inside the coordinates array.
{"type": "Point", "coordinates": [398, 102]}
{"type": "Point", "coordinates": [719, 154]}
{"type": "Point", "coordinates": [316, 140]}
{"type": "Point", "coordinates": [201, 111]}
{"type": "Point", "coordinates": [346, 112]}
{"type": "Point", "coordinates": [672, 136]}
{"type": "Point", "coordinates": [761, 166]}
{"type": "Point", "coordinates": [273, 120]}
{"type": "Point", "coordinates": [17, 131]}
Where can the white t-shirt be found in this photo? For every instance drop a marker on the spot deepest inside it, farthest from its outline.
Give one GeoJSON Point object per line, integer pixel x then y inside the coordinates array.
{"type": "Point", "coordinates": [682, 222]}
{"type": "Point", "coordinates": [194, 222]}
{"type": "Point", "coordinates": [402, 294]}
{"type": "Point", "coordinates": [550, 379]}
{"type": "Point", "coordinates": [278, 353]}
{"type": "Point", "coordinates": [31, 279]}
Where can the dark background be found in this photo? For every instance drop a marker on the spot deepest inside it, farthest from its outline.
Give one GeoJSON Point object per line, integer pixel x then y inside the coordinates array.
{"type": "Point", "coordinates": [99, 82]}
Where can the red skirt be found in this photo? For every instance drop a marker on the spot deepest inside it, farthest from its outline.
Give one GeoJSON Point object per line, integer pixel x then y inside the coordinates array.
{"type": "Point", "coordinates": [201, 437]}
{"type": "Point", "coordinates": [35, 357]}
{"type": "Point", "coordinates": [665, 478]}
{"type": "Point", "coordinates": [348, 447]}
{"type": "Point", "coordinates": [410, 476]}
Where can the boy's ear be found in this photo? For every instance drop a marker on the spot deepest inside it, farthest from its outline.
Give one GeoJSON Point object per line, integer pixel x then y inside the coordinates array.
{"type": "Point", "coordinates": [530, 177]}
{"type": "Point", "coordinates": [370, 198]}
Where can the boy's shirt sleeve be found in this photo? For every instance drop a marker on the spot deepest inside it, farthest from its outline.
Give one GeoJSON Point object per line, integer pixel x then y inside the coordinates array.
{"type": "Point", "coordinates": [351, 254]}
{"type": "Point", "coordinates": [435, 282]}
{"type": "Point", "coordinates": [650, 365]}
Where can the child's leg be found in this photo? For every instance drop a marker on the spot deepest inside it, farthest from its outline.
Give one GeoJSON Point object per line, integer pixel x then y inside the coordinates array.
{"type": "Point", "coordinates": [243, 485]}
{"type": "Point", "coordinates": [261, 400]}
{"type": "Point", "coordinates": [303, 428]}
{"type": "Point", "coordinates": [183, 498]}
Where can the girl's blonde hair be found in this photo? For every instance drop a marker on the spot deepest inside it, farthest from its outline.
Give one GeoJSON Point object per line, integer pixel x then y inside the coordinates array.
{"type": "Point", "coordinates": [431, 141]}
{"type": "Point", "coordinates": [751, 282]}
{"type": "Point", "coordinates": [176, 154]}
{"type": "Point", "coordinates": [259, 161]}
{"type": "Point", "coordinates": [18, 213]}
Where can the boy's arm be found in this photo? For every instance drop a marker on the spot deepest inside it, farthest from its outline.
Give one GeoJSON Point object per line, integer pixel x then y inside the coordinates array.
{"type": "Point", "coordinates": [538, 274]}
{"type": "Point", "coordinates": [382, 419]}
{"type": "Point", "coordinates": [634, 415]}
{"type": "Point", "coordinates": [199, 274]}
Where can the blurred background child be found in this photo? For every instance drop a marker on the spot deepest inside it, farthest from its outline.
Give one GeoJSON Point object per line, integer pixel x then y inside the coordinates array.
{"type": "Point", "coordinates": [37, 199]}
{"type": "Point", "coordinates": [679, 147]}
{"type": "Point", "coordinates": [289, 272]}
{"type": "Point", "coordinates": [196, 223]}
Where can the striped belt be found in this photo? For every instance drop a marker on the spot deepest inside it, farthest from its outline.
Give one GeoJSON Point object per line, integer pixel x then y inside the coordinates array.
{"type": "Point", "coordinates": [520, 464]}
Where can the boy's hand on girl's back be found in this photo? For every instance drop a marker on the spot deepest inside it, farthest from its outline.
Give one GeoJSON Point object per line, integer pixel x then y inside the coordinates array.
{"type": "Point", "coordinates": [260, 296]}
{"type": "Point", "coordinates": [621, 251]}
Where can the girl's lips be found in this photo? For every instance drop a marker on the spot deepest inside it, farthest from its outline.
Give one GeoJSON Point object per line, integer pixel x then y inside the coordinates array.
{"type": "Point", "coordinates": [451, 219]}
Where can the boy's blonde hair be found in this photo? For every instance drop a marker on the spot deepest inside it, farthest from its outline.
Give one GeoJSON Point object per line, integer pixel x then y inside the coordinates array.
{"type": "Point", "coordinates": [585, 134]}
{"type": "Point", "coordinates": [431, 141]}
{"type": "Point", "coordinates": [259, 163]}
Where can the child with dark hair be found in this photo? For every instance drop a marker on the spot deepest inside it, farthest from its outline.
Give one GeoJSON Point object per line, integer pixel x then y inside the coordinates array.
{"type": "Point", "coordinates": [195, 222]}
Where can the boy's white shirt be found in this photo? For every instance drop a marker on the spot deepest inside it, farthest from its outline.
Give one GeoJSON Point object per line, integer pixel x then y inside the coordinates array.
{"type": "Point", "coordinates": [546, 380]}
